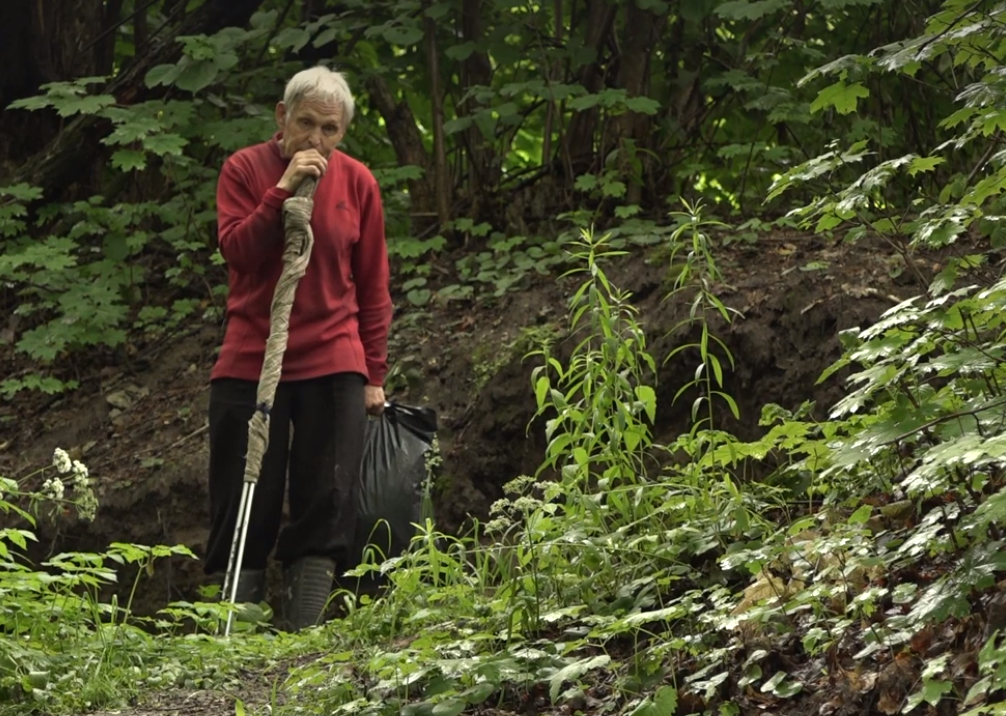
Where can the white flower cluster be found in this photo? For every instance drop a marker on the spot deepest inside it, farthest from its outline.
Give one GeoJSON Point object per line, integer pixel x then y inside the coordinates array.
{"type": "Point", "coordinates": [63, 464]}
{"type": "Point", "coordinates": [61, 461]}
{"type": "Point", "coordinates": [53, 488]}
{"type": "Point", "coordinates": [76, 476]}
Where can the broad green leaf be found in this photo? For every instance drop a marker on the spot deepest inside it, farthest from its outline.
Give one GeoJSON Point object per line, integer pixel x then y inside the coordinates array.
{"type": "Point", "coordinates": [861, 515]}
{"type": "Point", "coordinates": [450, 707]}
{"type": "Point", "coordinates": [828, 222]}
{"type": "Point", "coordinates": [480, 692]}
{"type": "Point", "coordinates": [841, 66]}
{"type": "Point", "coordinates": [419, 296]}
{"type": "Point", "coordinates": [324, 37]}
{"type": "Point", "coordinates": [438, 10]}
{"type": "Point", "coordinates": [663, 703]}
{"type": "Point", "coordinates": [841, 96]}
{"type": "Point", "coordinates": [779, 686]}
{"type": "Point", "coordinates": [129, 159]}
{"type": "Point", "coordinates": [924, 164]}
{"type": "Point", "coordinates": [749, 9]}
{"type": "Point", "coordinates": [197, 75]}
{"type": "Point", "coordinates": [161, 75]}
{"type": "Point", "coordinates": [962, 115]}
{"type": "Point", "coordinates": [643, 105]}
{"type": "Point", "coordinates": [843, 4]}
{"type": "Point", "coordinates": [461, 51]}
{"type": "Point", "coordinates": [648, 396]}
{"type": "Point", "coordinates": [460, 124]}
{"type": "Point", "coordinates": [21, 192]}
{"type": "Point", "coordinates": [585, 102]}
{"type": "Point", "coordinates": [403, 35]}
{"type": "Point", "coordinates": [91, 104]}
{"type": "Point", "coordinates": [163, 144]}
{"type": "Point", "coordinates": [292, 38]}
{"type": "Point", "coordinates": [573, 672]}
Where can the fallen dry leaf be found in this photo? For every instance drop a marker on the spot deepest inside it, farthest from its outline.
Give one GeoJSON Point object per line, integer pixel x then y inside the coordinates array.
{"type": "Point", "coordinates": [894, 682]}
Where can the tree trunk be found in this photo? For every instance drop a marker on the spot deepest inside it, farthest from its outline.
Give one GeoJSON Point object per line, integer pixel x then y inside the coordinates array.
{"type": "Point", "coordinates": [483, 166]}
{"type": "Point", "coordinates": [442, 182]}
{"type": "Point", "coordinates": [628, 131]}
{"type": "Point", "coordinates": [69, 155]}
{"type": "Point", "coordinates": [552, 70]}
{"type": "Point", "coordinates": [409, 150]}
{"type": "Point", "coordinates": [43, 41]}
{"type": "Point", "coordinates": [579, 141]}
{"type": "Point", "coordinates": [141, 32]}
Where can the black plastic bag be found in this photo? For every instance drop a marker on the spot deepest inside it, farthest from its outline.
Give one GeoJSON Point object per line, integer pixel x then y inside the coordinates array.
{"type": "Point", "coordinates": [394, 490]}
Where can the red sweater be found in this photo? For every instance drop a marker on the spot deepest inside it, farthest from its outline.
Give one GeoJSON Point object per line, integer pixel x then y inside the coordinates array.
{"type": "Point", "coordinates": [342, 307]}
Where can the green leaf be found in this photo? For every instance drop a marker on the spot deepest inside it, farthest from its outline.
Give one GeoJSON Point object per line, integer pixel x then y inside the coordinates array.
{"type": "Point", "coordinates": [460, 124]}
{"type": "Point", "coordinates": [91, 104]}
{"type": "Point", "coordinates": [161, 75]}
{"type": "Point", "coordinates": [197, 75]}
{"type": "Point", "coordinates": [293, 38]}
{"type": "Point", "coordinates": [573, 672]}
{"type": "Point", "coordinates": [450, 707]}
{"type": "Point", "coordinates": [841, 96]}
{"type": "Point", "coordinates": [419, 296]}
{"type": "Point", "coordinates": [778, 686]}
{"type": "Point", "coordinates": [827, 222]}
{"type": "Point", "coordinates": [129, 159]}
{"type": "Point", "coordinates": [480, 692]}
{"type": "Point", "coordinates": [924, 164]}
{"type": "Point", "coordinates": [643, 105]}
{"type": "Point", "coordinates": [324, 37]}
{"type": "Point", "coordinates": [585, 102]}
{"type": "Point", "coordinates": [439, 10]}
{"type": "Point", "coordinates": [461, 51]}
{"type": "Point", "coordinates": [932, 692]}
{"type": "Point", "coordinates": [749, 10]}
{"type": "Point", "coordinates": [403, 35]}
{"type": "Point", "coordinates": [663, 703]}
{"type": "Point", "coordinates": [658, 7]}
{"type": "Point", "coordinates": [861, 515]}
{"type": "Point", "coordinates": [21, 192]}
{"type": "Point", "coordinates": [648, 397]}
{"type": "Point", "coordinates": [162, 144]}
{"type": "Point", "coordinates": [541, 389]}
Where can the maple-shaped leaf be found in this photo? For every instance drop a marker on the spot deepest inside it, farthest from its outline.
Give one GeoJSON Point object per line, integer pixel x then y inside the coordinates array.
{"type": "Point", "coordinates": [162, 144]}
{"type": "Point", "coordinates": [841, 96]}
{"type": "Point", "coordinates": [924, 164]}
{"type": "Point", "coordinates": [88, 104]}
{"type": "Point", "coordinates": [129, 159]}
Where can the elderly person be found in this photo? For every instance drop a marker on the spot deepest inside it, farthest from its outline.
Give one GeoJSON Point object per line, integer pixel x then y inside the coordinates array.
{"type": "Point", "coordinates": [336, 359]}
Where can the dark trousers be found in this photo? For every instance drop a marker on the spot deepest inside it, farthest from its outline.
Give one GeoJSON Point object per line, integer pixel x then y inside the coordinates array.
{"type": "Point", "coordinates": [327, 417]}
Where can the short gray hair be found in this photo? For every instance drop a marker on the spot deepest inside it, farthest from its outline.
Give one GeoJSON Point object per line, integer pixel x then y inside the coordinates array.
{"type": "Point", "coordinates": [322, 83]}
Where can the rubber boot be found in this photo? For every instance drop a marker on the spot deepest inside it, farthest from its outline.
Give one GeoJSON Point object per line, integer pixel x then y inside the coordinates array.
{"type": "Point", "coordinates": [307, 585]}
{"type": "Point", "coordinates": [251, 586]}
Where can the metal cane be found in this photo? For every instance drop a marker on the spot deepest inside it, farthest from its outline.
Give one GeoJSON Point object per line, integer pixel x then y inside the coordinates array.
{"type": "Point", "coordinates": [296, 255]}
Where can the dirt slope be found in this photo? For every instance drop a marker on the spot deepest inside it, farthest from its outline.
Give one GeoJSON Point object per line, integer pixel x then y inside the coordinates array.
{"type": "Point", "coordinates": [140, 427]}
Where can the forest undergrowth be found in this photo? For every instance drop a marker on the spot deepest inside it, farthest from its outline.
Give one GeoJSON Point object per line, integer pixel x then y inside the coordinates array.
{"type": "Point", "coordinates": [858, 568]}
{"type": "Point", "coordinates": [849, 560]}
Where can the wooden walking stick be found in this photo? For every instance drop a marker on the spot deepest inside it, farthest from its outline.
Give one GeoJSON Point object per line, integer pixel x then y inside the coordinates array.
{"type": "Point", "coordinates": [296, 255]}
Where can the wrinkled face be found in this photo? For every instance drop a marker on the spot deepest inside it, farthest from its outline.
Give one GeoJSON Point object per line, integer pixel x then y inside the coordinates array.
{"type": "Point", "coordinates": [310, 124]}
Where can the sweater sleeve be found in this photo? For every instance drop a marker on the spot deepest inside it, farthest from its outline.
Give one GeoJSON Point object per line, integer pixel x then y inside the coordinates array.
{"type": "Point", "coordinates": [371, 274]}
{"type": "Point", "coordinates": [249, 227]}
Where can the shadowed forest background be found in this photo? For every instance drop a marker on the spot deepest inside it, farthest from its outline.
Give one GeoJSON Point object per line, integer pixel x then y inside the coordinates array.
{"type": "Point", "coordinates": [706, 294]}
